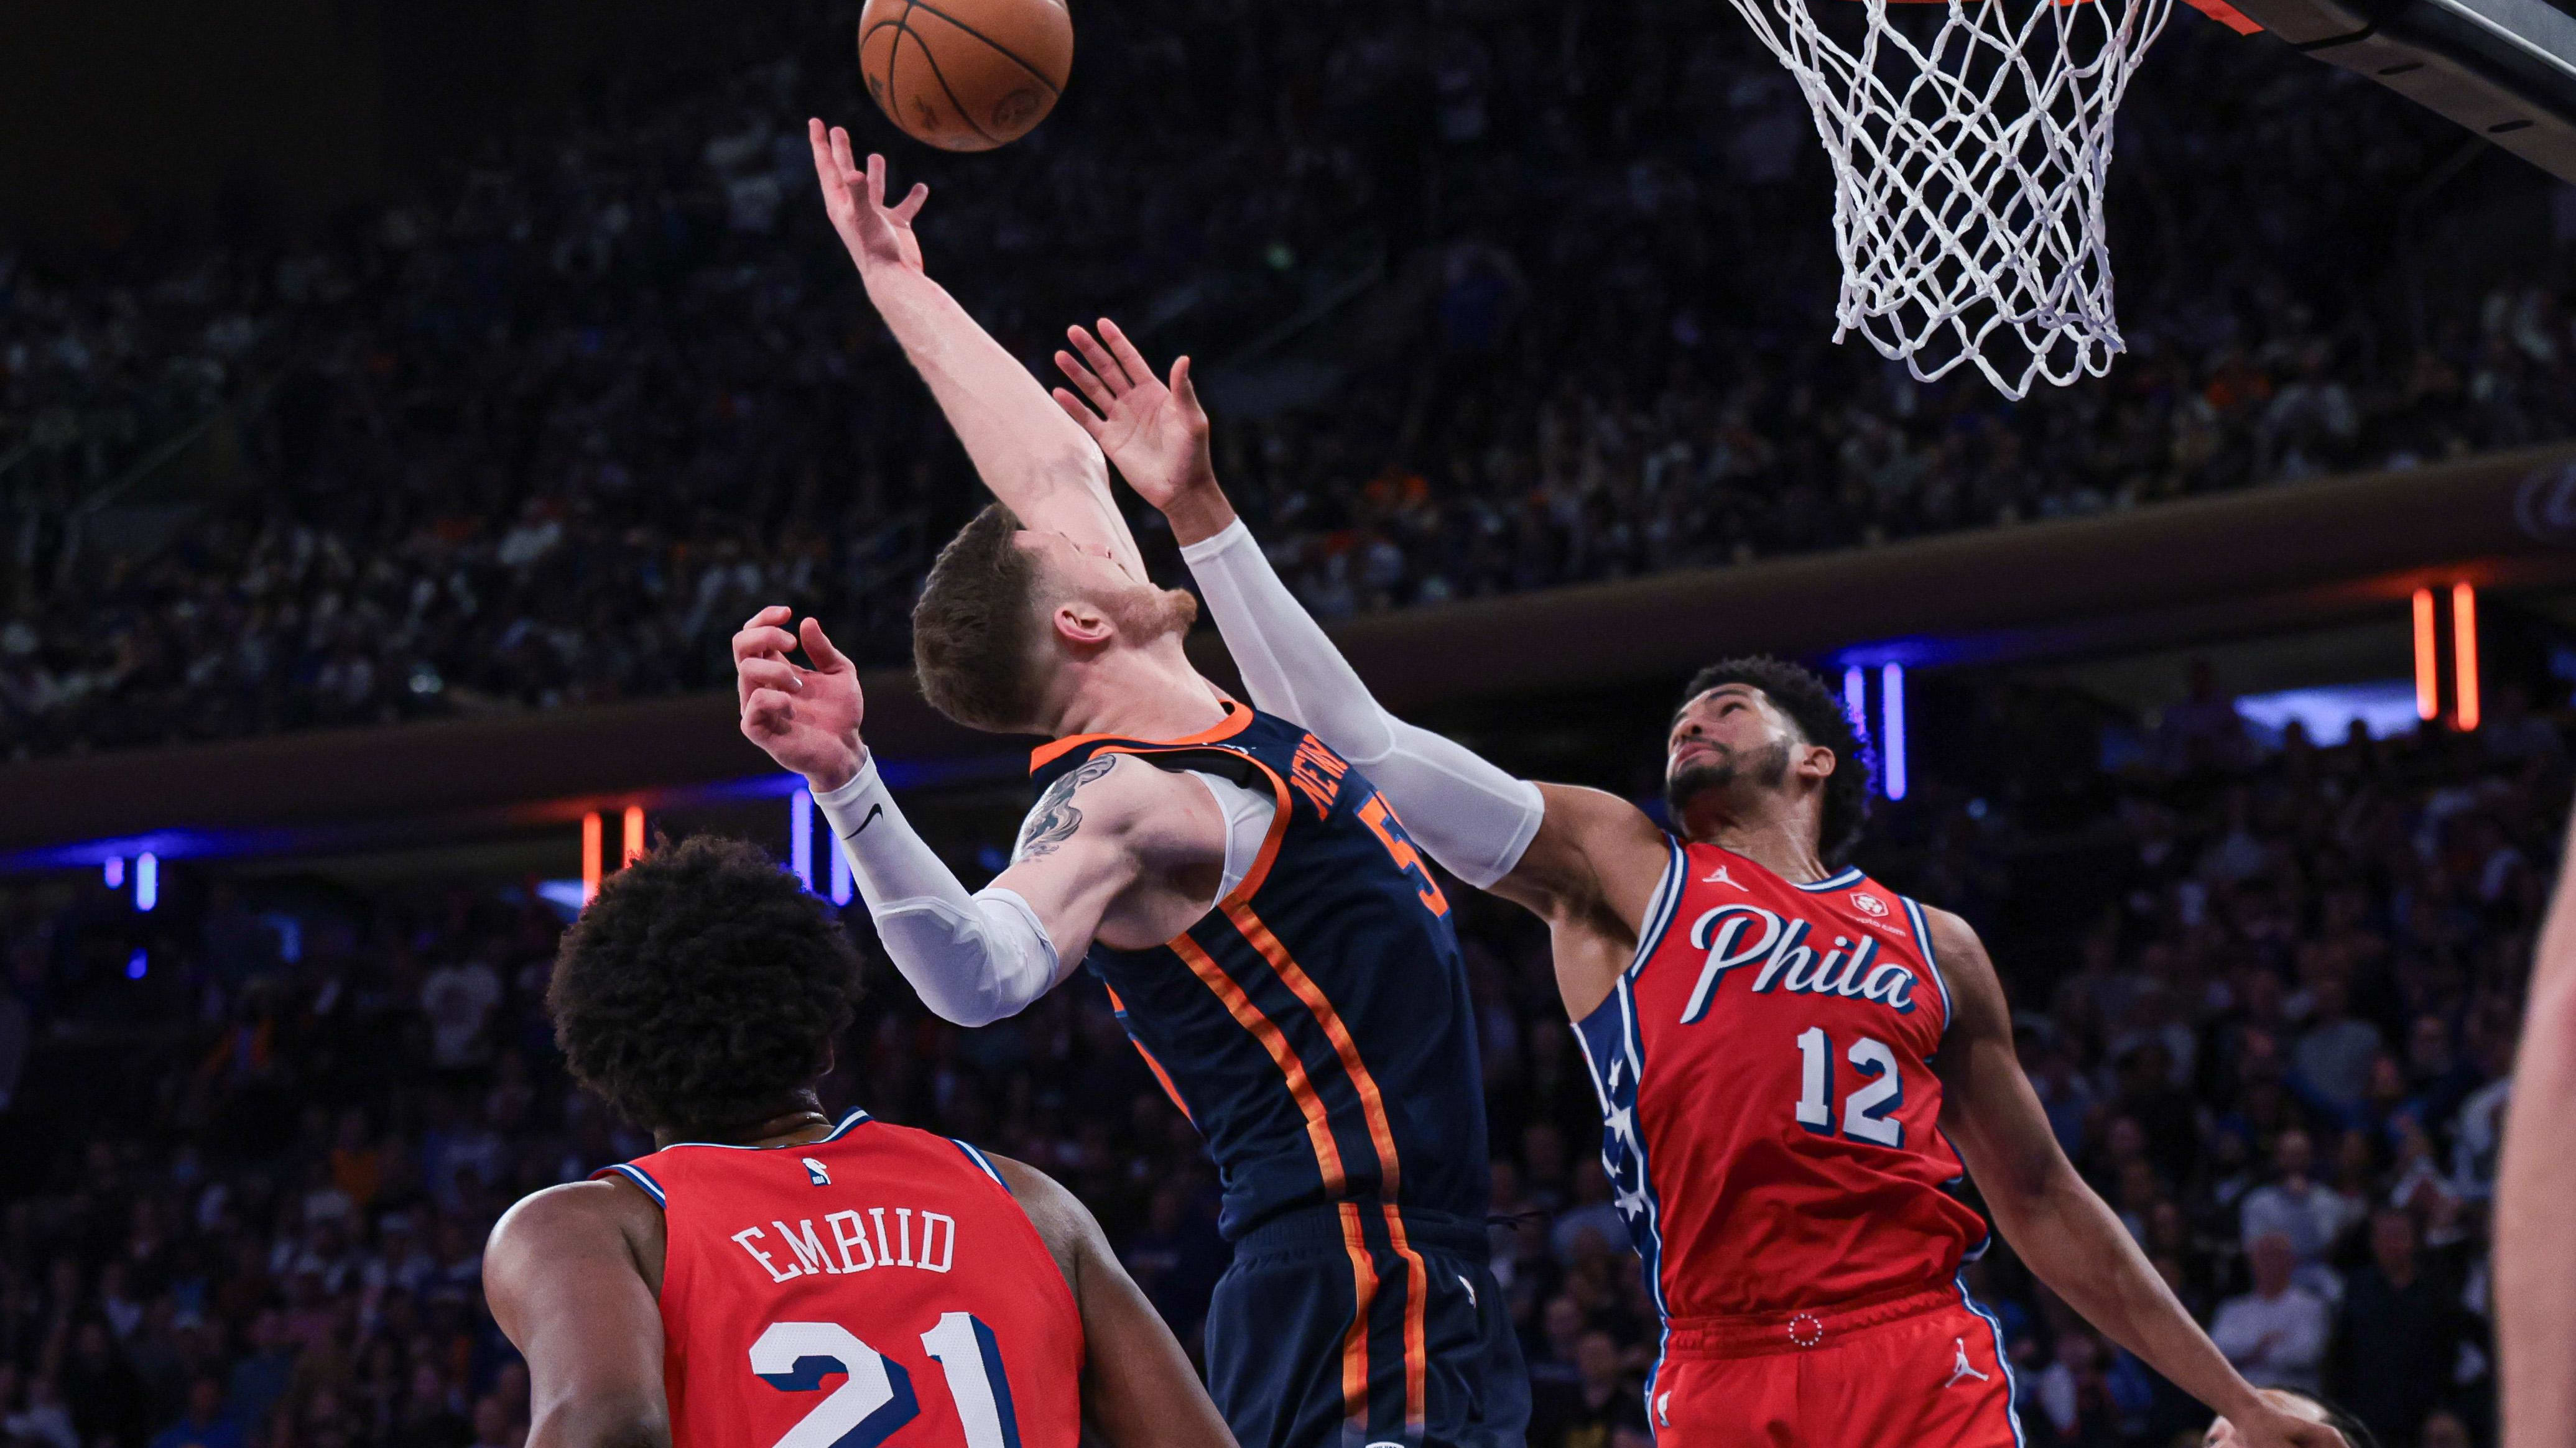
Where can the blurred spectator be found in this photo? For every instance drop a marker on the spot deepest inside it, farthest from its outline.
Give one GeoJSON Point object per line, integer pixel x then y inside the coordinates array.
{"type": "Point", "coordinates": [205, 1424]}
{"type": "Point", "coordinates": [1588, 1411]}
{"type": "Point", "coordinates": [2303, 1212]}
{"type": "Point", "coordinates": [2397, 1336]}
{"type": "Point", "coordinates": [2275, 1334]}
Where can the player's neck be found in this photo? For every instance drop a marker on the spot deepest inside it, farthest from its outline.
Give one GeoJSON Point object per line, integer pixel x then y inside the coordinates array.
{"type": "Point", "coordinates": [1137, 693]}
{"type": "Point", "coordinates": [1775, 840]}
{"type": "Point", "coordinates": [792, 1125]}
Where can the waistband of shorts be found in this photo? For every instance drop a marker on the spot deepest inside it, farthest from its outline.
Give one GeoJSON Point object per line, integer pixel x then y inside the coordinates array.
{"type": "Point", "coordinates": [1331, 1224]}
{"type": "Point", "coordinates": [1796, 1330]}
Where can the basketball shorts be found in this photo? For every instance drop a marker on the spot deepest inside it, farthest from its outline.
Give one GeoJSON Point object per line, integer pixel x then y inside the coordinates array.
{"type": "Point", "coordinates": [1338, 1328]}
{"type": "Point", "coordinates": [1924, 1370]}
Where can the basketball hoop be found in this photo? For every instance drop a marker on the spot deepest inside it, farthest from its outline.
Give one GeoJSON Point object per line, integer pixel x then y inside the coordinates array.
{"type": "Point", "coordinates": [1970, 142]}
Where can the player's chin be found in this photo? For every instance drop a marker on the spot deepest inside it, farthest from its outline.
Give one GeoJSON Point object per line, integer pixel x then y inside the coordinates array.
{"type": "Point", "coordinates": [1684, 786]}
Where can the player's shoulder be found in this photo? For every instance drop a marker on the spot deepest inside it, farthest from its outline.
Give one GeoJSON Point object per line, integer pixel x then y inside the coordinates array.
{"type": "Point", "coordinates": [572, 1217]}
{"type": "Point", "coordinates": [1112, 795]}
{"type": "Point", "coordinates": [1071, 1234]}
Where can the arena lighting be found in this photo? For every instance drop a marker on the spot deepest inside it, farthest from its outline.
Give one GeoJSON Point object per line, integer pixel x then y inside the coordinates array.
{"type": "Point", "coordinates": [800, 837]}
{"type": "Point", "coordinates": [1856, 696]}
{"type": "Point", "coordinates": [1891, 738]}
{"type": "Point", "coordinates": [138, 964]}
{"type": "Point", "coordinates": [114, 871]}
{"type": "Point", "coordinates": [2464, 653]}
{"type": "Point", "coordinates": [2428, 676]}
{"type": "Point", "coordinates": [590, 832]}
{"type": "Point", "coordinates": [842, 884]}
{"type": "Point", "coordinates": [634, 836]}
{"type": "Point", "coordinates": [147, 880]}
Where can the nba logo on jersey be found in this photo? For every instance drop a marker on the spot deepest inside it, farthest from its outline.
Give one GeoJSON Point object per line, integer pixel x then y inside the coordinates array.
{"type": "Point", "coordinates": [814, 1171]}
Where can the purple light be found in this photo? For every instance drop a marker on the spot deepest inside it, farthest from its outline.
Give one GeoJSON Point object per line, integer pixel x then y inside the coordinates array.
{"type": "Point", "coordinates": [137, 963]}
{"type": "Point", "coordinates": [842, 885]}
{"type": "Point", "coordinates": [115, 872]}
{"type": "Point", "coordinates": [1856, 696]}
{"type": "Point", "coordinates": [800, 838]}
{"type": "Point", "coordinates": [147, 881]}
{"type": "Point", "coordinates": [1891, 740]}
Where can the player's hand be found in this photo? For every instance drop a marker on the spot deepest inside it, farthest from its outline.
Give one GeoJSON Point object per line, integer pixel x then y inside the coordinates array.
{"type": "Point", "coordinates": [2269, 1427]}
{"type": "Point", "coordinates": [807, 719]}
{"type": "Point", "coordinates": [877, 235]}
{"type": "Point", "coordinates": [1155, 432]}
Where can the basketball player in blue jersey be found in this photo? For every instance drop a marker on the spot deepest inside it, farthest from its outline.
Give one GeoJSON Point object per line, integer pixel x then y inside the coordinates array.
{"type": "Point", "coordinates": [1273, 944]}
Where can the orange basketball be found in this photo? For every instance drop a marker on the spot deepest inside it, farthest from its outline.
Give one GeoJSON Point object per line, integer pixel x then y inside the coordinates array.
{"type": "Point", "coordinates": [966, 75]}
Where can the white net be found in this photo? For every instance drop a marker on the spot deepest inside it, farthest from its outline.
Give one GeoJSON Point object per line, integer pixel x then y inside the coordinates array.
{"type": "Point", "coordinates": [1970, 142]}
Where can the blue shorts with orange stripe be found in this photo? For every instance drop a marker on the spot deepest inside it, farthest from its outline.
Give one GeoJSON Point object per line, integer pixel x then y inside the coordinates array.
{"type": "Point", "coordinates": [1351, 1325]}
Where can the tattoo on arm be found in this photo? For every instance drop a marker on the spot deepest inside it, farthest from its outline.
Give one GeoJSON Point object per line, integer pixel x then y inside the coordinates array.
{"type": "Point", "coordinates": [1055, 819]}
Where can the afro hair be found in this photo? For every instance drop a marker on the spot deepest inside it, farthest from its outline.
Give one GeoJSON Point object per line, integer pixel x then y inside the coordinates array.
{"type": "Point", "coordinates": [703, 988]}
{"type": "Point", "coordinates": [1818, 712]}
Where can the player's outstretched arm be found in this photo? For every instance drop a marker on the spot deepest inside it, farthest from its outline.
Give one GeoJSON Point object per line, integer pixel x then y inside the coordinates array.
{"type": "Point", "coordinates": [1038, 463]}
{"type": "Point", "coordinates": [974, 958]}
{"type": "Point", "coordinates": [1476, 820]}
{"type": "Point", "coordinates": [1138, 1388]}
{"type": "Point", "coordinates": [565, 1276]}
{"type": "Point", "coordinates": [2062, 1230]}
{"type": "Point", "coordinates": [2535, 1251]}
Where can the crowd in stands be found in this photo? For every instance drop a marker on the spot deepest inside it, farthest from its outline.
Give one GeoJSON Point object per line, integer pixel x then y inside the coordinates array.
{"type": "Point", "coordinates": [2268, 995]}
{"type": "Point", "coordinates": [1488, 296]}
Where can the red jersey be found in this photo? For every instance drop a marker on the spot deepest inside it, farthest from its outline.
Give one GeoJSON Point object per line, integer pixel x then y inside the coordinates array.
{"type": "Point", "coordinates": [1772, 1120]}
{"type": "Point", "coordinates": [878, 1286]}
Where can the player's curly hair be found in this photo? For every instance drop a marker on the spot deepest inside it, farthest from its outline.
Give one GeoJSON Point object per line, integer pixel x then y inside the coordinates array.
{"type": "Point", "coordinates": [703, 988]}
{"type": "Point", "coordinates": [975, 630]}
{"type": "Point", "coordinates": [1818, 712]}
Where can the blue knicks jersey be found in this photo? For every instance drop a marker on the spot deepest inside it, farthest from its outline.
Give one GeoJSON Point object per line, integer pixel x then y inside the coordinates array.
{"type": "Point", "coordinates": [1314, 1026]}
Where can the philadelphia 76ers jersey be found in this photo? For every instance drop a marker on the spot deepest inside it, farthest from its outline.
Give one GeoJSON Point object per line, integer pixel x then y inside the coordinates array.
{"type": "Point", "coordinates": [1771, 1113]}
{"type": "Point", "coordinates": [880, 1286]}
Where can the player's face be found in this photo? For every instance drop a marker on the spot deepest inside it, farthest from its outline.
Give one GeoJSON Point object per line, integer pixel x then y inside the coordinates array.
{"type": "Point", "coordinates": [1728, 738]}
{"type": "Point", "coordinates": [1094, 574]}
{"type": "Point", "coordinates": [1726, 727]}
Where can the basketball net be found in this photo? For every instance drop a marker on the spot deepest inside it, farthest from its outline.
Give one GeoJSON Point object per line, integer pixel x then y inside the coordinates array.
{"type": "Point", "coordinates": [1970, 142]}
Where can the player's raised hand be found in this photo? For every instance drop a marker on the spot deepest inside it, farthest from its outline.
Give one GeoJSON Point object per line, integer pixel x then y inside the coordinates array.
{"type": "Point", "coordinates": [806, 718]}
{"type": "Point", "coordinates": [877, 235]}
{"type": "Point", "coordinates": [1154, 431]}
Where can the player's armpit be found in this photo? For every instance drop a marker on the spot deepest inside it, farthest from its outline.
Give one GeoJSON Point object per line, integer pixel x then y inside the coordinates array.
{"type": "Point", "coordinates": [1590, 872]}
{"type": "Point", "coordinates": [1138, 1388]}
{"type": "Point", "coordinates": [566, 1280]}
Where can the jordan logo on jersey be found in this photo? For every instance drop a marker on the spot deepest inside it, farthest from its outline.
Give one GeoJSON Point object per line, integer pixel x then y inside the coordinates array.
{"type": "Point", "coordinates": [1736, 935]}
{"type": "Point", "coordinates": [1963, 1368]}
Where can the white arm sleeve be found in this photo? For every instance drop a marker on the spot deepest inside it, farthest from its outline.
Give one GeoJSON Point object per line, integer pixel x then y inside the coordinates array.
{"type": "Point", "coordinates": [974, 958]}
{"type": "Point", "coordinates": [1475, 819]}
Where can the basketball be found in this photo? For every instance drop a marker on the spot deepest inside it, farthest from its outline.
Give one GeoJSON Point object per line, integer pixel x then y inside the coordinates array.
{"type": "Point", "coordinates": [966, 75]}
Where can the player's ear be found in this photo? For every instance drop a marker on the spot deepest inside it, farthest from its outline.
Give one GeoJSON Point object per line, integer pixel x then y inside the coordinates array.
{"type": "Point", "coordinates": [1082, 624]}
{"type": "Point", "coordinates": [1817, 762]}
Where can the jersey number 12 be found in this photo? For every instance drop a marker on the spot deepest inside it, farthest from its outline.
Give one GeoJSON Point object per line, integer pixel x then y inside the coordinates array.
{"type": "Point", "coordinates": [1865, 1110]}
{"type": "Point", "coordinates": [877, 1397]}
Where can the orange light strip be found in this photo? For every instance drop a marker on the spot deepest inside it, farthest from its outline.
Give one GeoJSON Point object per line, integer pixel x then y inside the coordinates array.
{"type": "Point", "coordinates": [590, 833]}
{"type": "Point", "coordinates": [2428, 679]}
{"type": "Point", "coordinates": [634, 836]}
{"type": "Point", "coordinates": [2464, 652]}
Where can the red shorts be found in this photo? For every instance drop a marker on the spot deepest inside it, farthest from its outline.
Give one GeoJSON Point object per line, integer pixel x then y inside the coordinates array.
{"type": "Point", "coordinates": [1922, 1370]}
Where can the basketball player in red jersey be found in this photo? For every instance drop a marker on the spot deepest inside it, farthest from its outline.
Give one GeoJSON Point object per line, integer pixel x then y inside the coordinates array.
{"type": "Point", "coordinates": [1784, 1049]}
{"type": "Point", "coordinates": [769, 1276]}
